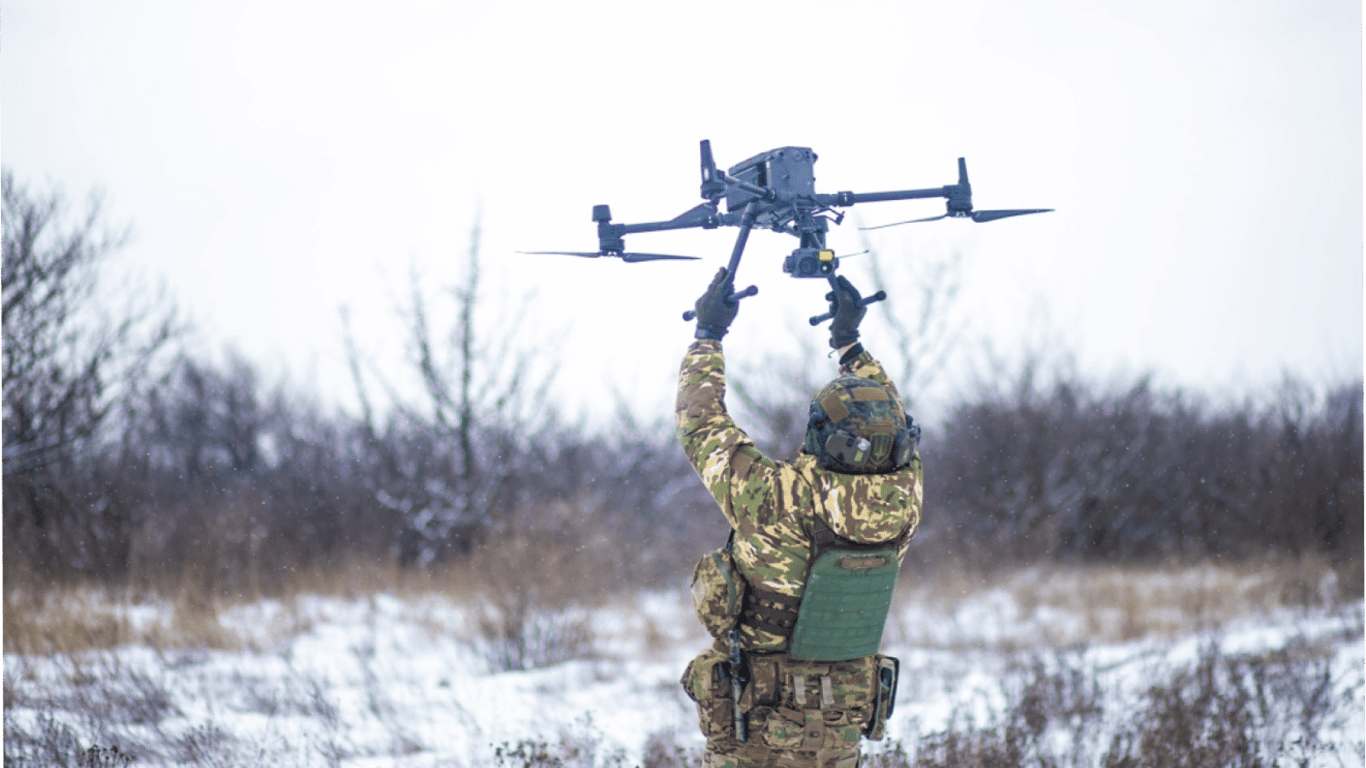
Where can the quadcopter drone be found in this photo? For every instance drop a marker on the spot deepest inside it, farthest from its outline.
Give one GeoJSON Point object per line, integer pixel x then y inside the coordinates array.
{"type": "Point", "coordinates": [776, 190]}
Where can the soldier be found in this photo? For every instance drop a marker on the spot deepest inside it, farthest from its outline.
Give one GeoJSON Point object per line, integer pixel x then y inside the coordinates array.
{"type": "Point", "coordinates": [798, 597]}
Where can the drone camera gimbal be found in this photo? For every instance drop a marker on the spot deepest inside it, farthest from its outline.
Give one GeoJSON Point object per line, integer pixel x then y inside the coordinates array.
{"type": "Point", "coordinates": [811, 262]}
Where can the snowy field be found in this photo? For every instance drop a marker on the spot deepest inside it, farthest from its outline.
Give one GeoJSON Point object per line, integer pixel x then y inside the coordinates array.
{"type": "Point", "coordinates": [416, 681]}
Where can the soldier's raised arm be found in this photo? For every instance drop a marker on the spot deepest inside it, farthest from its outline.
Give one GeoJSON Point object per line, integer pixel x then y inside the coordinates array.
{"type": "Point", "coordinates": [731, 467]}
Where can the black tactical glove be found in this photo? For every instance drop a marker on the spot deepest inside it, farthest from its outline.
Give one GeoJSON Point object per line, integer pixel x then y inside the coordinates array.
{"type": "Point", "coordinates": [846, 304]}
{"type": "Point", "coordinates": [714, 312]}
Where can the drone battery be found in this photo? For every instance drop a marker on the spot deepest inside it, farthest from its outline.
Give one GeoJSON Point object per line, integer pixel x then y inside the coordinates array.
{"type": "Point", "coordinates": [789, 171]}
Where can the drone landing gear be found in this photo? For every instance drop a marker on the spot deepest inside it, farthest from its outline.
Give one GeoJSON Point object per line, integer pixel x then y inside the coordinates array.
{"type": "Point", "coordinates": [865, 301]}
{"type": "Point", "coordinates": [746, 224]}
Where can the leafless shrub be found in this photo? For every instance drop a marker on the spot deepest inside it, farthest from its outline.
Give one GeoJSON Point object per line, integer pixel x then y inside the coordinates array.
{"type": "Point", "coordinates": [890, 754]}
{"type": "Point", "coordinates": [521, 626]}
{"type": "Point", "coordinates": [662, 750]}
{"type": "Point", "coordinates": [320, 706]}
{"type": "Point", "coordinates": [965, 742]}
{"type": "Point", "coordinates": [206, 745]}
{"type": "Point", "coordinates": [535, 584]}
{"type": "Point", "coordinates": [1245, 710]}
{"type": "Point", "coordinates": [100, 692]}
{"type": "Point", "coordinates": [1225, 710]}
{"type": "Point", "coordinates": [332, 751]}
{"type": "Point", "coordinates": [1058, 691]}
{"type": "Point", "coordinates": [48, 743]}
{"type": "Point", "coordinates": [52, 744]}
{"type": "Point", "coordinates": [1051, 701]}
{"type": "Point", "coordinates": [525, 638]}
{"type": "Point", "coordinates": [1200, 717]}
{"type": "Point", "coordinates": [116, 706]}
{"type": "Point", "coordinates": [130, 696]}
{"type": "Point", "coordinates": [580, 746]}
{"type": "Point", "coordinates": [291, 695]}
{"type": "Point", "coordinates": [1046, 465]}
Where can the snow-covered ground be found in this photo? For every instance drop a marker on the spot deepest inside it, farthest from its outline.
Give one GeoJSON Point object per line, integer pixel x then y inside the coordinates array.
{"type": "Point", "coordinates": [408, 682]}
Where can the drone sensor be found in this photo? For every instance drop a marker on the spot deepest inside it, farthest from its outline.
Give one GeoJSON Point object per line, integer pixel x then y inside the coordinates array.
{"type": "Point", "coordinates": [811, 262]}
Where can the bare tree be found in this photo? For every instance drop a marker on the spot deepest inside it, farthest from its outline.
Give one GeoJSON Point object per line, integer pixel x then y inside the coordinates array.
{"type": "Point", "coordinates": [68, 365]}
{"type": "Point", "coordinates": [449, 456]}
{"type": "Point", "coordinates": [919, 317]}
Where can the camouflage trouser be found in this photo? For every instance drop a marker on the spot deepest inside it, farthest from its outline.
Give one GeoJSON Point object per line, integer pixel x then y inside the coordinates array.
{"type": "Point", "coordinates": [797, 713]}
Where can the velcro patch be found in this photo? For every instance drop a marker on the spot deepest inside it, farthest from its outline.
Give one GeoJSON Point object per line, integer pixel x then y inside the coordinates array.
{"type": "Point", "coordinates": [834, 407]}
{"type": "Point", "coordinates": [861, 563]}
{"type": "Point", "coordinates": [865, 394]}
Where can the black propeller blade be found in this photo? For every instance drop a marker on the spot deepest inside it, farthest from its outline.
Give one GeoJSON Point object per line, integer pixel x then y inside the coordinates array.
{"type": "Point", "coordinates": [632, 258]}
{"type": "Point", "coordinates": [977, 216]}
{"type": "Point", "coordinates": [908, 221]}
{"type": "Point", "coordinates": [629, 258]}
{"type": "Point", "coordinates": [980, 216]}
{"type": "Point", "coordinates": [583, 254]}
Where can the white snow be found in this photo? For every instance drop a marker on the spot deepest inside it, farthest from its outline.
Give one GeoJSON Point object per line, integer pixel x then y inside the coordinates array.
{"type": "Point", "coordinates": [384, 681]}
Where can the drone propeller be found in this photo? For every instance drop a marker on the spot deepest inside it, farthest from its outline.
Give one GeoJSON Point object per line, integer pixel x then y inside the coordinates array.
{"type": "Point", "coordinates": [977, 216]}
{"type": "Point", "coordinates": [960, 204]}
{"type": "Point", "coordinates": [908, 221]}
{"type": "Point", "coordinates": [980, 216]}
{"type": "Point", "coordinates": [629, 258]}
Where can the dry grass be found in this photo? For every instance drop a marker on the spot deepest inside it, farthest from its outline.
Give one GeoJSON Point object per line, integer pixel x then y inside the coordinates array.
{"type": "Point", "coordinates": [1070, 605]}
{"type": "Point", "coordinates": [75, 618]}
{"type": "Point", "coordinates": [527, 595]}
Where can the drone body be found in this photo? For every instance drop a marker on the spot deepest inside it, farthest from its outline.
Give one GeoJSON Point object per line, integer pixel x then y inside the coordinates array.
{"type": "Point", "coordinates": [776, 190]}
{"type": "Point", "coordinates": [789, 172]}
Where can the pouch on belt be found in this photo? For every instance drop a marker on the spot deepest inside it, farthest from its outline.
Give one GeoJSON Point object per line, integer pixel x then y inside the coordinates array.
{"type": "Point", "coordinates": [718, 590]}
{"type": "Point", "coordinates": [707, 682]}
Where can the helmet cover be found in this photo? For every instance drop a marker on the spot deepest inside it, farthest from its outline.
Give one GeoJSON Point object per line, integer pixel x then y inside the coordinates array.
{"type": "Point", "coordinates": [856, 426]}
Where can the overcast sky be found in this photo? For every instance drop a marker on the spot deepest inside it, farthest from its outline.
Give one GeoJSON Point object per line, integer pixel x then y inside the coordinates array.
{"type": "Point", "coordinates": [280, 160]}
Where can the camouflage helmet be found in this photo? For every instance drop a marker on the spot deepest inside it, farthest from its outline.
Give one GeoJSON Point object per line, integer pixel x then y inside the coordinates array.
{"type": "Point", "coordinates": [857, 427]}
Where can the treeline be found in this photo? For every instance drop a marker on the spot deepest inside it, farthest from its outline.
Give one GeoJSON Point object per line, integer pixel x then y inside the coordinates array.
{"type": "Point", "coordinates": [129, 460]}
{"type": "Point", "coordinates": [215, 476]}
{"type": "Point", "coordinates": [1065, 470]}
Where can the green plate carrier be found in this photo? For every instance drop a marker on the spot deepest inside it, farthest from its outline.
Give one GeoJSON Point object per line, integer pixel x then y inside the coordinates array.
{"type": "Point", "coordinates": [847, 599]}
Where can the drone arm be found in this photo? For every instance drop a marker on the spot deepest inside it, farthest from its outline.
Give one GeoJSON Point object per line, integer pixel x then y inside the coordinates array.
{"type": "Point", "coordinates": [663, 226]}
{"type": "Point", "coordinates": [846, 199]}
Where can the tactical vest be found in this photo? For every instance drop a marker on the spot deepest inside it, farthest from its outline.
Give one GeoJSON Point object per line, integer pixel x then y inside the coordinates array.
{"type": "Point", "coordinates": [844, 606]}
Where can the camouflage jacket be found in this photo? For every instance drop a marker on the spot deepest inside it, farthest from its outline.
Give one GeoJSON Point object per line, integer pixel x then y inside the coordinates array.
{"type": "Point", "coordinates": [772, 504]}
